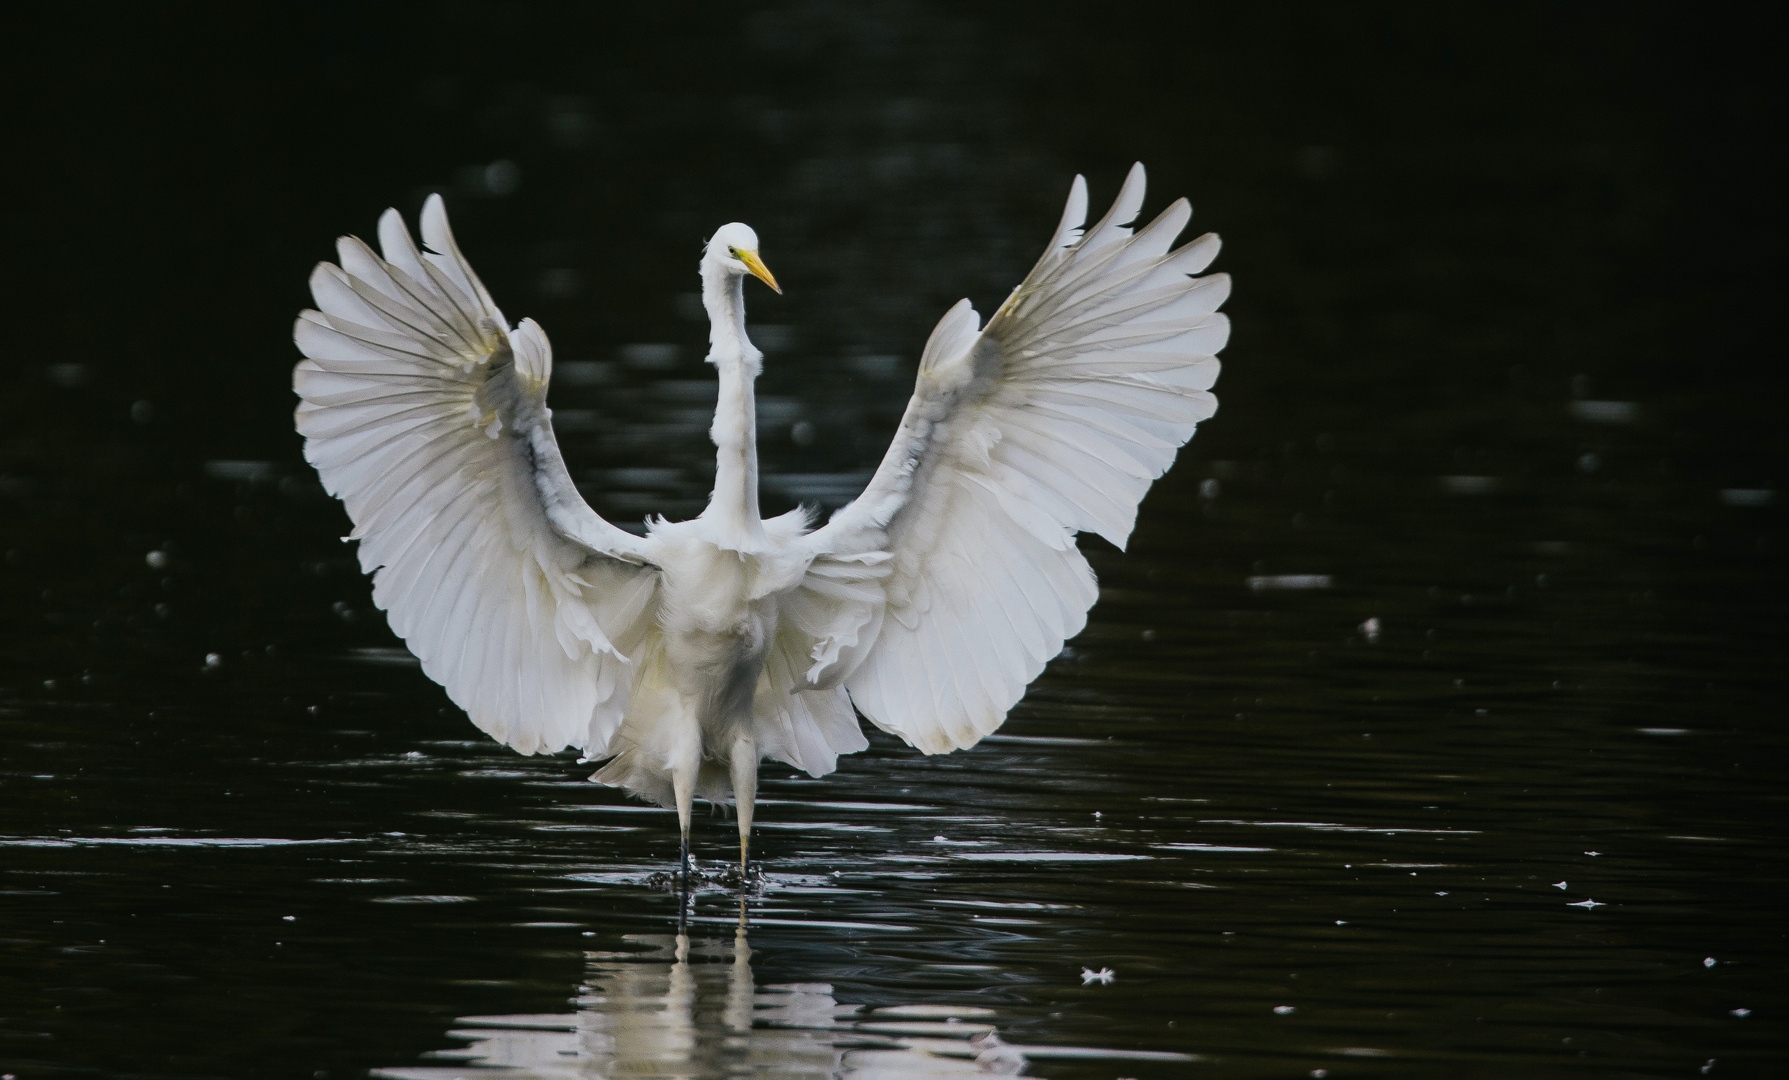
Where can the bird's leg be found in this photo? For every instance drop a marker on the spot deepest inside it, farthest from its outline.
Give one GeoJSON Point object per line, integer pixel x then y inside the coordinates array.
{"type": "Point", "coordinates": [683, 785]}
{"type": "Point", "coordinates": [745, 794]}
{"type": "Point", "coordinates": [682, 860]}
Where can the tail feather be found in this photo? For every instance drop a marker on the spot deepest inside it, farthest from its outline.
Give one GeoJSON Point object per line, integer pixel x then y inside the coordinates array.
{"type": "Point", "coordinates": [633, 770]}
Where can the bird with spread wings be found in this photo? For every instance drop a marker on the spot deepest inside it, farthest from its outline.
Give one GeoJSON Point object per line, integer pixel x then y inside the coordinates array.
{"type": "Point", "coordinates": [684, 657]}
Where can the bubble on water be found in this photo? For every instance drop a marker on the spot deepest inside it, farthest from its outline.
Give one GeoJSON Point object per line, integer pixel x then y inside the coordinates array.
{"type": "Point", "coordinates": [252, 472]}
{"type": "Point", "coordinates": [1606, 412]}
{"type": "Point", "coordinates": [1288, 582]}
{"type": "Point", "coordinates": [1741, 1013]}
{"type": "Point", "coordinates": [1559, 884]}
{"type": "Point", "coordinates": [502, 177]}
{"type": "Point", "coordinates": [1709, 961]}
{"type": "Point", "coordinates": [1284, 1010]}
{"type": "Point", "coordinates": [69, 376]}
{"type": "Point", "coordinates": [1470, 485]}
{"type": "Point", "coordinates": [1748, 497]}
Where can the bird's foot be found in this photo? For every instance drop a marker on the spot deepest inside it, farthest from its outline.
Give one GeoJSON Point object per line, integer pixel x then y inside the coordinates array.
{"type": "Point", "coordinates": [708, 878]}
{"type": "Point", "coordinates": [751, 876]}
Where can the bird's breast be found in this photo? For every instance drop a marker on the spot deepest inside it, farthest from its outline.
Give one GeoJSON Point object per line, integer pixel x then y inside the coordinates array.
{"type": "Point", "coordinates": [711, 590]}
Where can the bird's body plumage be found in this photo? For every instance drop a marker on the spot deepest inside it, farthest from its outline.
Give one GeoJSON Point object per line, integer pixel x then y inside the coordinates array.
{"type": "Point", "coordinates": [683, 657]}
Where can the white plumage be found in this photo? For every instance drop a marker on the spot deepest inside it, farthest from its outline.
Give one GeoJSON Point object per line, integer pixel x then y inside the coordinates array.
{"type": "Point", "coordinates": [685, 656]}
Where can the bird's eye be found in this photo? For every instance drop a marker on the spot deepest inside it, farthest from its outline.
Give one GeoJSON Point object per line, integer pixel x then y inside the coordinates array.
{"type": "Point", "coordinates": [733, 251]}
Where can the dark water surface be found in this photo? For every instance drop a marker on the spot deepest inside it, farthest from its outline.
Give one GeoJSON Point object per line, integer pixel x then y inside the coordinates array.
{"type": "Point", "coordinates": [1430, 727]}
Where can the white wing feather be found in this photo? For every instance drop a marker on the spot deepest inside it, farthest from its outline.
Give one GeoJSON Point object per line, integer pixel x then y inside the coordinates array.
{"type": "Point", "coordinates": [426, 415]}
{"type": "Point", "coordinates": [1053, 420]}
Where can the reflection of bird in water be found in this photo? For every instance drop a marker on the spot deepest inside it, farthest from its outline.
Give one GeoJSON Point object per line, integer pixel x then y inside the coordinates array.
{"type": "Point", "coordinates": [687, 655]}
{"type": "Point", "coordinates": [674, 1008]}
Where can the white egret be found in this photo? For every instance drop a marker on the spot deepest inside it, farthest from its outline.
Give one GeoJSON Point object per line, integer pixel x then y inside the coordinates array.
{"type": "Point", "coordinates": [685, 656]}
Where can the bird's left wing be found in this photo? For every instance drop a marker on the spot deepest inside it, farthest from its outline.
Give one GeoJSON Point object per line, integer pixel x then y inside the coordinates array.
{"type": "Point", "coordinates": [1052, 420]}
{"type": "Point", "coordinates": [425, 413]}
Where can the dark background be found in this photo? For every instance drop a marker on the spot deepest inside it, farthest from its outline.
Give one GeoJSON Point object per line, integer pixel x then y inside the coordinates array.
{"type": "Point", "coordinates": [1450, 227]}
{"type": "Point", "coordinates": [1445, 224]}
{"type": "Point", "coordinates": [1571, 188]}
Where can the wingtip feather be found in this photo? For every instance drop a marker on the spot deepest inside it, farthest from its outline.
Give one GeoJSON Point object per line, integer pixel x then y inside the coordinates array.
{"type": "Point", "coordinates": [436, 232]}
{"type": "Point", "coordinates": [1074, 216]}
{"type": "Point", "coordinates": [394, 236]}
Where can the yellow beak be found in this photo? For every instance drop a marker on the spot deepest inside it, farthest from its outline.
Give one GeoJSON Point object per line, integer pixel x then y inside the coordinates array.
{"type": "Point", "coordinates": [759, 270]}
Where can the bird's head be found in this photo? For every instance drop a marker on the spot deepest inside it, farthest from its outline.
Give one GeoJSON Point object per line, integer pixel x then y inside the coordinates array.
{"type": "Point", "coordinates": [735, 248]}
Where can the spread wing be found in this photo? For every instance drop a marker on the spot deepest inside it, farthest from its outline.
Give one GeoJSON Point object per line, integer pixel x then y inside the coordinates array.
{"type": "Point", "coordinates": [1052, 420]}
{"type": "Point", "coordinates": [425, 413]}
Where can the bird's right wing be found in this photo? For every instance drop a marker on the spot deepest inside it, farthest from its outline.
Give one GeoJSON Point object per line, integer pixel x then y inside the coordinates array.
{"type": "Point", "coordinates": [425, 413]}
{"type": "Point", "coordinates": [1053, 420]}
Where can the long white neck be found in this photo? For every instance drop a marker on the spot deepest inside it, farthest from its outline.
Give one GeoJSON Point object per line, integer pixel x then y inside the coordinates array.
{"type": "Point", "coordinates": [734, 504]}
